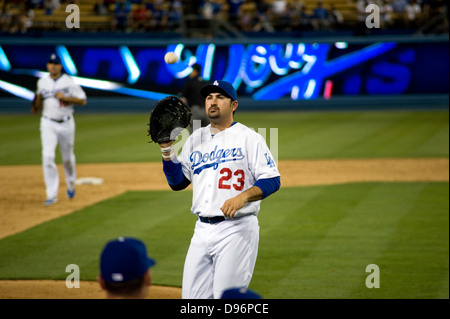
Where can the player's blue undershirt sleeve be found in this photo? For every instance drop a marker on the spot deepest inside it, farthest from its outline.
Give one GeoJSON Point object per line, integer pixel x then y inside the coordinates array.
{"type": "Point", "coordinates": [174, 175]}
{"type": "Point", "coordinates": [268, 185]}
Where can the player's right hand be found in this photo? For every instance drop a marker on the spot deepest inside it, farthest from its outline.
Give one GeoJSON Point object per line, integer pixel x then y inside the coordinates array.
{"type": "Point", "coordinates": [36, 104]}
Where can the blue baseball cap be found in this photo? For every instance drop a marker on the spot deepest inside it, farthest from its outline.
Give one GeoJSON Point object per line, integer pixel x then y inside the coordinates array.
{"type": "Point", "coordinates": [54, 59]}
{"type": "Point", "coordinates": [124, 259]}
{"type": "Point", "coordinates": [240, 293]}
{"type": "Point", "coordinates": [217, 86]}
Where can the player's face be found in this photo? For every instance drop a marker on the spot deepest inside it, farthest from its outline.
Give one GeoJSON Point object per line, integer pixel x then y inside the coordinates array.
{"type": "Point", "coordinates": [54, 69]}
{"type": "Point", "coordinates": [218, 106]}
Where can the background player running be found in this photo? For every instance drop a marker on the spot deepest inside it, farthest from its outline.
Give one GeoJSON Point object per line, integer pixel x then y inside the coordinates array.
{"type": "Point", "coordinates": [231, 169]}
{"type": "Point", "coordinates": [55, 98]}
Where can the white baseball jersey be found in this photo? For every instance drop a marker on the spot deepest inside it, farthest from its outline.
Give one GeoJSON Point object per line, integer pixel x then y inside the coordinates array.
{"type": "Point", "coordinates": [224, 165]}
{"type": "Point", "coordinates": [52, 107]}
{"type": "Point", "coordinates": [62, 132]}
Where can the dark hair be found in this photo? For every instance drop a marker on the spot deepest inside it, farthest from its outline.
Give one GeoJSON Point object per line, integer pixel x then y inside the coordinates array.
{"type": "Point", "coordinates": [125, 288]}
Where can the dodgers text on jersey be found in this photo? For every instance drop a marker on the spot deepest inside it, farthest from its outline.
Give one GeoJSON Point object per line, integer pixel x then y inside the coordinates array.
{"type": "Point", "coordinates": [214, 158]}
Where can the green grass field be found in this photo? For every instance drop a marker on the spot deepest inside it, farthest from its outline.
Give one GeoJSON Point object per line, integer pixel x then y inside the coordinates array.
{"type": "Point", "coordinates": [115, 138]}
{"type": "Point", "coordinates": [315, 242]}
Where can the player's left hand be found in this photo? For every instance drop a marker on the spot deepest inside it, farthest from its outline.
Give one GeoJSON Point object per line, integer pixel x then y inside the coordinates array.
{"type": "Point", "coordinates": [62, 98]}
{"type": "Point", "coordinates": [232, 205]}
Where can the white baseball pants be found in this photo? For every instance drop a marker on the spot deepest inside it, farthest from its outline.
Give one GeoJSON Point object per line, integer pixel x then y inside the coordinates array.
{"type": "Point", "coordinates": [220, 256]}
{"type": "Point", "coordinates": [53, 133]}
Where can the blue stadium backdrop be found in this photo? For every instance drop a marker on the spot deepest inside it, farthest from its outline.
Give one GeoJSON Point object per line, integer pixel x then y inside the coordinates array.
{"type": "Point", "coordinates": [259, 70]}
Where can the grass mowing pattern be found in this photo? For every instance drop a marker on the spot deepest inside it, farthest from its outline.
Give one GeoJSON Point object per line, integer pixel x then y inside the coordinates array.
{"type": "Point", "coordinates": [116, 138]}
{"type": "Point", "coordinates": [319, 245]}
{"type": "Point", "coordinates": [315, 242]}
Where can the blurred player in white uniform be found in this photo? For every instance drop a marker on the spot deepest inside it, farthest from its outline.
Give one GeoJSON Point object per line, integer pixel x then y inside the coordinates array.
{"type": "Point", "coordinates": [231, 170]}
{"type": "Point", "coordinates": [57, 94]}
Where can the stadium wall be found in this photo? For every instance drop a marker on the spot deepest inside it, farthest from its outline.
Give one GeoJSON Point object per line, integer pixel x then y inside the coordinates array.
{"type": "Point", "coordinates": [327, 73]}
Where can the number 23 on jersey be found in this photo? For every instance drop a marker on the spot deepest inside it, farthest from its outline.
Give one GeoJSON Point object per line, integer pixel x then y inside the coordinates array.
{"type": "Point", "coordinates": [230, 179]}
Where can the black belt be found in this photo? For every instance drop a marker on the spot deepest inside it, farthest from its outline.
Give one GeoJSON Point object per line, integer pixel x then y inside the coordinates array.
{"type": "Point", "coordinates": [212, 220]}
{"type": "Point", "coordinates": [58, 121]}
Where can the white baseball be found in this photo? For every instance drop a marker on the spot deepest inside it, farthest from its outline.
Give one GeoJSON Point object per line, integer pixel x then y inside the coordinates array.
{"type": "Point", "coordinates": [170, 58]}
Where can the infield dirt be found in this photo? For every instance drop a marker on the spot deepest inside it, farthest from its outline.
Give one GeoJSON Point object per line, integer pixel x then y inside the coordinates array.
{"type": "Point", "coordinates": [22, 196]}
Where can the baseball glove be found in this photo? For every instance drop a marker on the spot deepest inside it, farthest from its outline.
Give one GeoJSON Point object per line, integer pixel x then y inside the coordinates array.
{"type": "Point", "coordinates": [167, 119]}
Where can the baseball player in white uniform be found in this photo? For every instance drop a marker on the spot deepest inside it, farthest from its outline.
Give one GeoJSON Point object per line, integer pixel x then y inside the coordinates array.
{"type": "Point", "coordinates": [58, 94]}
{"type": "Point", "coordinates": [231, 170]}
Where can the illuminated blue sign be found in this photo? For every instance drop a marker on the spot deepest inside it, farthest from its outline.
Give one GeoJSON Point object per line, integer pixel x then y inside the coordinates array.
{"type": "Point", "coordinates": [265, 71]}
